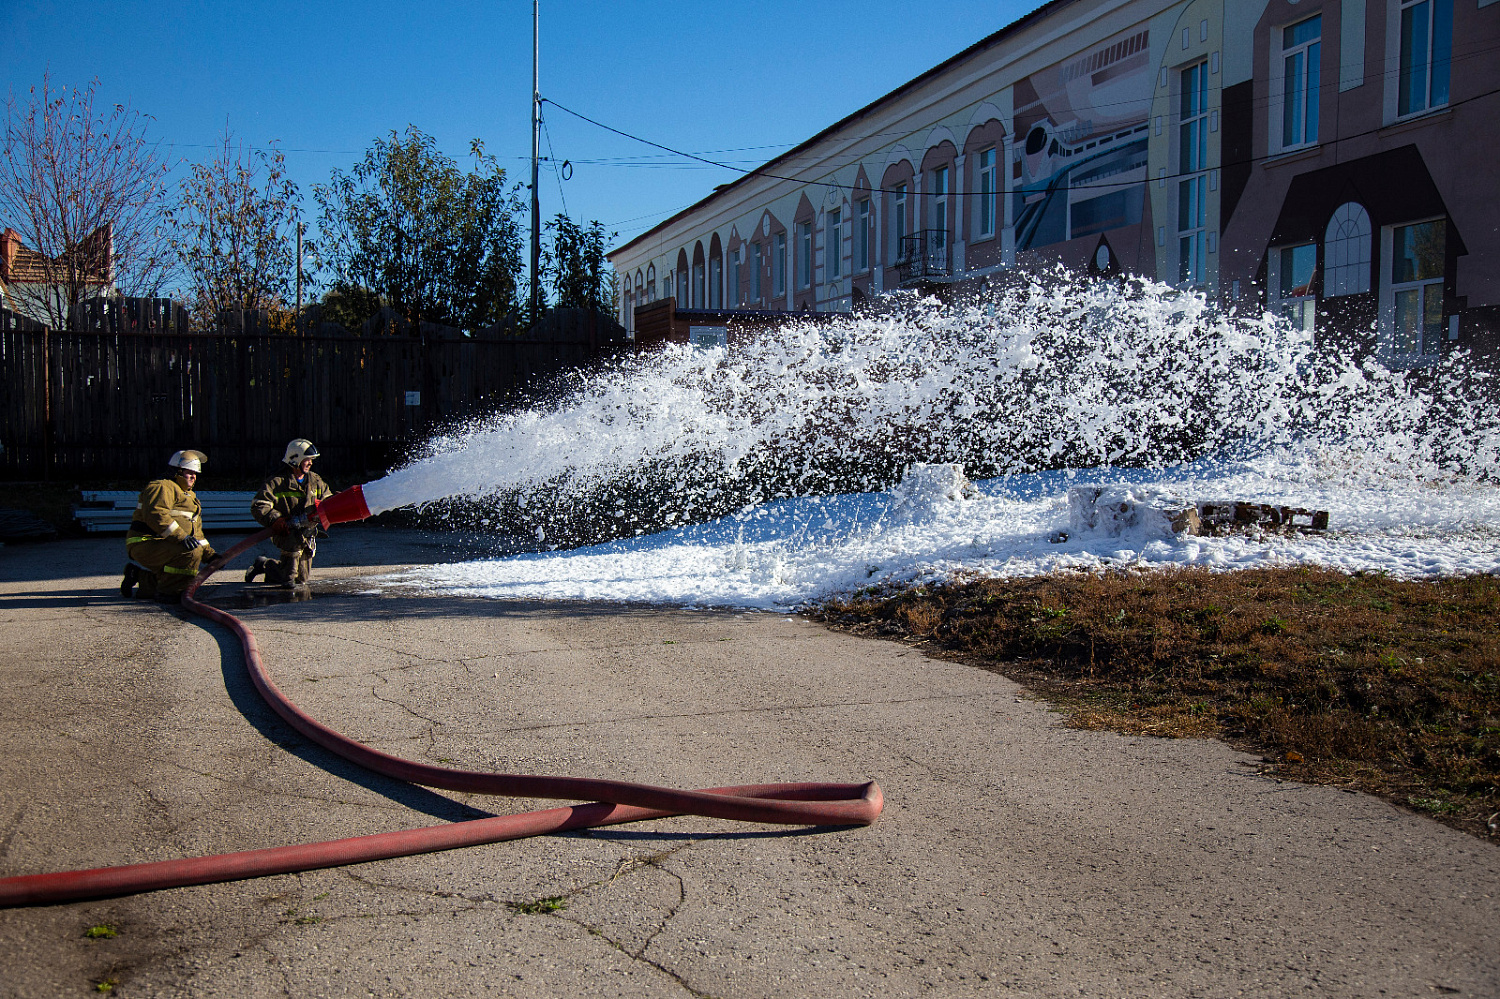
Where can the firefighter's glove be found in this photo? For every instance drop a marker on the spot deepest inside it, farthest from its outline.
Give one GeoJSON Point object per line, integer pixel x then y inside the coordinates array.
{"type": "Point", "coordinates": [208, 552]}
{"type": "Point", "coordinates": [192, 544]}
{"type": "Point", "coordinates": [281, 526]}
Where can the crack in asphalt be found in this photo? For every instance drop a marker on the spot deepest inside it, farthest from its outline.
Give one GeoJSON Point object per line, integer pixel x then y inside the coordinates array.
{"type": "Point", "coordinates": [269, 630]}
{"type": "Point", "coordinates": [626, 865]}
{"type": "Point", "coordinates": [584, 723]}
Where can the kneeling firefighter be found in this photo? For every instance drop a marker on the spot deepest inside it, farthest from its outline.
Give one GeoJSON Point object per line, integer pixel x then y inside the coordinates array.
{"type": "Point", "coordinates": [166, 535]}
{"type": "Point", "coordinates": [291, 494]}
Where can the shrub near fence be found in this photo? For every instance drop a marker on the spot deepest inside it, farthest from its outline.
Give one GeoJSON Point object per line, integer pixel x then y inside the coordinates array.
{"type": "Point", "coordinates": [95, 406]}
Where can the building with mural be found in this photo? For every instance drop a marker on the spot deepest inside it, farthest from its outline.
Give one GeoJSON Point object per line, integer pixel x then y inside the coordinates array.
{"type": "Point", "coordinates": [1329, 161]}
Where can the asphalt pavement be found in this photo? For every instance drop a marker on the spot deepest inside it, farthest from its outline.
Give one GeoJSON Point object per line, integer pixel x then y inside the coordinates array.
{"type": "Point", "coordinates": [1015, 857]}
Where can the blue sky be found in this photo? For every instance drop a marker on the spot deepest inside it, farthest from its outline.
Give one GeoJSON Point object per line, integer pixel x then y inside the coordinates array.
{"type": "Point", "coordinates": [738, 82]}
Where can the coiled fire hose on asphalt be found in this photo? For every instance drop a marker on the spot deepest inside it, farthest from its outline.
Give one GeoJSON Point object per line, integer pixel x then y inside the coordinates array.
{"type": "Point", "coordinates": [609, 802]}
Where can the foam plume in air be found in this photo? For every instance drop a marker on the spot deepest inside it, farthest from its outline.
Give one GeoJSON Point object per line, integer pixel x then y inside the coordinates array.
{"type": "Point", "coordinates": [1058, 373]}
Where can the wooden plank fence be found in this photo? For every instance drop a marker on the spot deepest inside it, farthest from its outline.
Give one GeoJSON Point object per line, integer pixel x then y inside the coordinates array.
{"type": "Point", "coordinates": [95, 406]}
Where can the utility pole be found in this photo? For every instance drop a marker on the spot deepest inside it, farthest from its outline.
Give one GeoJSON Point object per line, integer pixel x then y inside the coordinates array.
{"type": "Point", "coordinates": [536, 134]}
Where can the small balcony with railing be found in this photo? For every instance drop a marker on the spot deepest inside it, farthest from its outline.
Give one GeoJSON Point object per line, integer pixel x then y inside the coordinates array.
{"type": "Point", "coordinates": [926, 255]}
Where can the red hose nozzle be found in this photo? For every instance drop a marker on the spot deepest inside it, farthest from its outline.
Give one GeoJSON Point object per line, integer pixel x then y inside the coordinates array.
{"type": "Point", "coordinates": [343, 507]}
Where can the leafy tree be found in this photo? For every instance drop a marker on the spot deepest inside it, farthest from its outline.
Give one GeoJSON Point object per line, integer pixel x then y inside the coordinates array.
{"type": "Point", "coordinates": [407, 227]}
{"type": "Point", "coordinates": [87, 192]}
{"type": "Point", "coordinates": [575, 266]}
{"type": "Point", "coordinates": [235, 223]}
{"type": "Point", "coordinates": [349, 306]}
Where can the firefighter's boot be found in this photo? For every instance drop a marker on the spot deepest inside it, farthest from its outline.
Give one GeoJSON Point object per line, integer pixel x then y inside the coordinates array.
{"type": "Point", "coordinates": [259, 568]}
{"type": "Point", "coordinates": [128, 583]}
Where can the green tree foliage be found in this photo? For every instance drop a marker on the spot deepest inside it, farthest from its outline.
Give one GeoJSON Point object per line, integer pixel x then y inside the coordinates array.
{"type": "Point", "coordinates": [409, 228]}
{"type": "Point", "coordinates": [235, 232]}
{"type": "Point", "coordinates": [87, 192]}
{"type": "Point", "coordinates": [575, 268]}
{"type": "Point", "coordinates": [350, 306]}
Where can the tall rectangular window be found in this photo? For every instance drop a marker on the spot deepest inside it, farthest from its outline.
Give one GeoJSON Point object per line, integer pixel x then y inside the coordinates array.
{"type": "Point", "coordinates": [833, 244]}
{"type": "Point", "coordinates": [1301, 49]}
{"type": "Point", "coordinates": [987, 187]}
{"type": "Point", "coordinates": [940, 207]}
{"type": "Point", "coordinates": [1426, 55]}
{"type": "Point", "coordinates": [755, 265]}
{"type": "Point", "coordinates": [898, 223]}
{"type": "Point", "coordinates": [1418, 254]}
{"type": "Point", "coordinates": [1293, 284]}
{"type": "Point", "coordinates": [804, 254]}
{"type": "Point", "coordinates": [862, 236]}
{"type": "Point", "coordinates": [778, 266]}
{"type": "Point", "coordinates": [735, 296]}
{"type": "Point", "coordinates": [1192, 183]}
{"type": "Point", "coordinates": [699, 287]}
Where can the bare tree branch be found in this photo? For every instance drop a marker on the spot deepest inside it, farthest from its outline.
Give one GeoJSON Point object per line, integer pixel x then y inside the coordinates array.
{"type": "Point", "coordinates": [235, 231]}
{"type": "Point", "coordinates": [85, 191]}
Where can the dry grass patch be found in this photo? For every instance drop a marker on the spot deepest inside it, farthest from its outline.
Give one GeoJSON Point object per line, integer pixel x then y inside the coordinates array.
{"type": "Point", "coordinates": [1363, 681]}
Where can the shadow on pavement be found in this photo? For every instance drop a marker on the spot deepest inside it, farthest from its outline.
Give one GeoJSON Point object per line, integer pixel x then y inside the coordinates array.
{"type": "Point", "coordinates": [245, 698]}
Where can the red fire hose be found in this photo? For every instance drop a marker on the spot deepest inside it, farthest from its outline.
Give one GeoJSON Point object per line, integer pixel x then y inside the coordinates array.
{"type": "Point", "coordinates": [611, 802]}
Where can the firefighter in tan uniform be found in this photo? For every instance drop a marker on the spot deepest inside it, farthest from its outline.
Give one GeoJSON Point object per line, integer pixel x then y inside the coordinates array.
{"type": "Point", "coordinates": [293, 490]}
{"type": "Point", "coordinates": [166, 535]}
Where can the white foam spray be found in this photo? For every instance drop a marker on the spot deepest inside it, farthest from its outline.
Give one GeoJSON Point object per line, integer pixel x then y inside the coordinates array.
{"type": "Point", "coordinates": [1057, 374]}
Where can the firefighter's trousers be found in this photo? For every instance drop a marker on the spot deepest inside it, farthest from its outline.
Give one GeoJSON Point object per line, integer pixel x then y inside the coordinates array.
{"type": "Point", "coordinates": [172, 566]}
{"type": "Point", "coordinates": [296, 560]}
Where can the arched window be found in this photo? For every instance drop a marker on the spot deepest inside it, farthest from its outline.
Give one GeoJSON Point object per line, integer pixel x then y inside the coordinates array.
{"type": "Point", "coordinates": [651, 283]}
{"type": "Point", "coordinates": [1346, 251]}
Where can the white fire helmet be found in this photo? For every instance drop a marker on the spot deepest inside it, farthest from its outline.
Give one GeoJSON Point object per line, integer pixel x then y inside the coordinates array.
{"type": "Point", "coordinates": [188, 461]}
{"type": "Point", "coordinates": [299, 451]}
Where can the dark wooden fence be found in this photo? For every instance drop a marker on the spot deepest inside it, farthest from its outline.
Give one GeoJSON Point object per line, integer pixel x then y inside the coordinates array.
{"type": "Point", "coordinates": [95, 406]}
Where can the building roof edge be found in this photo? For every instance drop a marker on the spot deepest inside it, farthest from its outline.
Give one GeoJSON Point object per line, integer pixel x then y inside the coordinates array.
{"type": "Point", "coordinates": [988, 41]}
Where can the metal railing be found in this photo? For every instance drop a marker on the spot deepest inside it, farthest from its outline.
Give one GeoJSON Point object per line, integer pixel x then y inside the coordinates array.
{"type": "Point", "coordinates": [926, 254]}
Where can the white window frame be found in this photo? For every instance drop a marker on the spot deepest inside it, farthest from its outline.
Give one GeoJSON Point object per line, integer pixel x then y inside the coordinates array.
{"type": "Point", "coordinates": [650, 282]}
{"type": "Point", "coordinates": [1191, 204]}
{"type": "Point", "coordinates": [778, 267]}
{"type": "Point", "coordinates": [833, 244]}
{"type": "Point", "coordinates": [1299, 309]}
{"type": "Point", "coordinates": [898, 222]}
{"type": "Point", "coordinates": [803, 252]}
{"type": "Point", "coordinates": [1425, 353]}
{"type": "Point", "coordinates": [1308, 83]}
{"type": "Point", "coordinates": [862, 236]}
{"type": "Point", "coordinates": [939, 202]}
{"type": "Point", "coordinates": [1348, 242]}
{"type": "Point", "coordinates": [1436, 55]}
{"type": "Point", "coordinates": [985, 222]}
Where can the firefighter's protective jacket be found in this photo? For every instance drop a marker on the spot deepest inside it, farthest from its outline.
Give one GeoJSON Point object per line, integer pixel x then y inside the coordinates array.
{"type": "Point", "coordinates": [166, 511]}
{"type": "Point", "coordinates": [282, 495]}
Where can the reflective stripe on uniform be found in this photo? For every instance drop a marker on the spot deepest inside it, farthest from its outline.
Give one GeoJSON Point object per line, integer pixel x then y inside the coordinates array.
{"type": "Point", "coordinates": [141, 537]}
{"type": "Point", "coordinates": [284, 495]}
{"type": "Point", "coordinates": [189, 514]}
{"type": "Point", "coordinates": [180, 572]}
